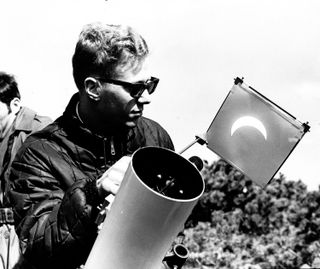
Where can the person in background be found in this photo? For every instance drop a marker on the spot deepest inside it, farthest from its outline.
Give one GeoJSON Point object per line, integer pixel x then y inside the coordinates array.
{"type": "Point", "coordinates": [59, 176]}
{"type": "Point", "coordinates": [16, 123]}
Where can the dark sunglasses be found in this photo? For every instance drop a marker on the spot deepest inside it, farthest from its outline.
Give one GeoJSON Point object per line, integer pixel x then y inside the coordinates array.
{"type": "Point", "coordinates": [135, 89]}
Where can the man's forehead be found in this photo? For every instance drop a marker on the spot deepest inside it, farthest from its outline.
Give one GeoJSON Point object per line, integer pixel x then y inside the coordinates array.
{"type": "Point", "coordinates": [135, 71]}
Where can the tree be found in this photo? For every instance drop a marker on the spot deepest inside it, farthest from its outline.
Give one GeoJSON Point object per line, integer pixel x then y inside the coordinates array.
{"type": "Point", "coordinates": [236, 223]}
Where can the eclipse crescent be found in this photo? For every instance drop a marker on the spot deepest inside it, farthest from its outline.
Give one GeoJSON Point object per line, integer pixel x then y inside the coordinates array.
{"type": "Point", "coordinates": [251, 122]}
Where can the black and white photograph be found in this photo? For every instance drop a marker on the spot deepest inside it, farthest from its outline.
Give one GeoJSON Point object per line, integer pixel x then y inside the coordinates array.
{"type": "Point", "coordinates": [159, 134]}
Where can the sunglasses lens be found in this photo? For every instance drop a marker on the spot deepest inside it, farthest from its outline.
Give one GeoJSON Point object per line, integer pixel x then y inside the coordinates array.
{"type": "Point", "coordinates": [151, 85]}
{"type": "Point", "coordinates": [137, 89]}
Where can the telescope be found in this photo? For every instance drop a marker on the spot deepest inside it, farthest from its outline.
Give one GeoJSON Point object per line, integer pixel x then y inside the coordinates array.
{"type": "Point", "coordinates": [157, 194]}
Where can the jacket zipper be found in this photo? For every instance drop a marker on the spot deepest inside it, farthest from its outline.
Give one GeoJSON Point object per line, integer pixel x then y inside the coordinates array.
{"type": "Point", "coordinates": [112, 148]}
{"type": "Point", "coordinates": [104, 152]}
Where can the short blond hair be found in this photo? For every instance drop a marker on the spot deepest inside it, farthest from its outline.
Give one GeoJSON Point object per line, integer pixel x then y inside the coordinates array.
{"type": "Point", "coordinates": [101, 48]}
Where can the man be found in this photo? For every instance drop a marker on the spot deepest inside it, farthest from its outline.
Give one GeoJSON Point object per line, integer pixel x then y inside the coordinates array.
{"type": "Point", "coordinates": [16, 123]}
{"type": "Point", "coordinates": [58, 178]}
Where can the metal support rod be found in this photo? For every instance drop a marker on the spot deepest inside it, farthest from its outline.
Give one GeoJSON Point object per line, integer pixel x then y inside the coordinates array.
{"type": "Point", "coordinates": [198, 139]}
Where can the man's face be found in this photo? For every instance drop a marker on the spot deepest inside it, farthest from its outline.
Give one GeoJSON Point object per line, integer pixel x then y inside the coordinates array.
{"type": "Point", "coordinates": [4, 113]}
{"type": "Point", "coordinates": [116, 106]}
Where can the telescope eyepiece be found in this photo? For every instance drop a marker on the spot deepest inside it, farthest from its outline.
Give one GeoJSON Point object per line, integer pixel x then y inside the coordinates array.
{"type": "Point", "coordinates": [177, 257]}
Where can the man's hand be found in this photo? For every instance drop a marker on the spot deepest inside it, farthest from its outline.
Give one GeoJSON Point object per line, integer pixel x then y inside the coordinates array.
{"type": "Point", "coordinates": [111, 179]}
{"type": "Point", "coordinates": [108, 185]}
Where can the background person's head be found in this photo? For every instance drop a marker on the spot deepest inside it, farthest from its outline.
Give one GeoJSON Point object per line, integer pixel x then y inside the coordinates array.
{"type": "Point", "coordinates": [8, 88]}
{"type": "Point", "coordinates": [9, 99]}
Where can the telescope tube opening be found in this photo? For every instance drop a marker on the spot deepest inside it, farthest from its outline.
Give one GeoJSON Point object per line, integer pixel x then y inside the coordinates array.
{"type": "Point", "coordinates": [167, 173]}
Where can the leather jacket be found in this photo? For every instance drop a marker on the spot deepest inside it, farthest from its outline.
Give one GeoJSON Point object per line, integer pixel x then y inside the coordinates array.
{"type": "Point", "coordinates": [53, 186]}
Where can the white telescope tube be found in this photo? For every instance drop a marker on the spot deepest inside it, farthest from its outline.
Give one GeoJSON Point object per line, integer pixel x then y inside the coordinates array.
{"type": "Point", "coordinates": [142, 223]}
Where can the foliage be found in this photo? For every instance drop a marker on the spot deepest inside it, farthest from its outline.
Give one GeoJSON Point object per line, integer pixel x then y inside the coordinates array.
{"type": "Point", "coordinates": [237, 224]}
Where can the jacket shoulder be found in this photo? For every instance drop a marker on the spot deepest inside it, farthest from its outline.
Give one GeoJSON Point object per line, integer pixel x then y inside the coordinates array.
{"type": "Point", "coordinates": [39, 122]}
{"type": "Point", "coordinates": [42, 120]}
{"type": "Point", "coordinates": [153, 134]}
{"type": "Point", "coordinates": [30, 121]}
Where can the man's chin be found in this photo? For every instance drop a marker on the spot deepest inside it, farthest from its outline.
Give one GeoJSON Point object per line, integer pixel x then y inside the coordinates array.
{"type": "Point", "coordinates": [131, 124]}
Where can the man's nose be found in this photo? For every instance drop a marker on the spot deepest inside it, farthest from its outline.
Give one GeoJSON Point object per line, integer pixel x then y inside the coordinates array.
{"type": "Point", "coordinates": [144, 98]}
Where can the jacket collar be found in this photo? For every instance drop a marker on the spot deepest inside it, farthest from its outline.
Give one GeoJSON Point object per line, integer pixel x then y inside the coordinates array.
{"type": "Point", "coordinates": [24, 119]}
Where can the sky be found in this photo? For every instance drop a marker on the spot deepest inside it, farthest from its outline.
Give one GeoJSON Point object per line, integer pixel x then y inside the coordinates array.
{"type": "Point", "coordinates": [197, 49]}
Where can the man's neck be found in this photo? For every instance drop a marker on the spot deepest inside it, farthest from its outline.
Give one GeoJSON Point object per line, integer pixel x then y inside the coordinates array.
{"type": "Point", "coordinates": [93, 124]}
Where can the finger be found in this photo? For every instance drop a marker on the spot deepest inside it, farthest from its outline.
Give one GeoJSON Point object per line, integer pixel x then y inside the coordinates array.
{"type": "Point", "coordinates": [122, 164]}
{"type": "Point", "coordinates": [115, 176]}
{"type": "Point", "coordinates": [110, 187]}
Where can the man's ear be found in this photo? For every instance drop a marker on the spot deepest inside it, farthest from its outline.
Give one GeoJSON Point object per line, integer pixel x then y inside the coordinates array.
{"type": "Point", "coordinates": [15, 105]}
{"type": "Point", "coordinates": [92, 87]}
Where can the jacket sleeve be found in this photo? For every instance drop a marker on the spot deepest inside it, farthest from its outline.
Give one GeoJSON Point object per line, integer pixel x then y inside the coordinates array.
{"type": "Point", "coordinates": [54, 213]}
